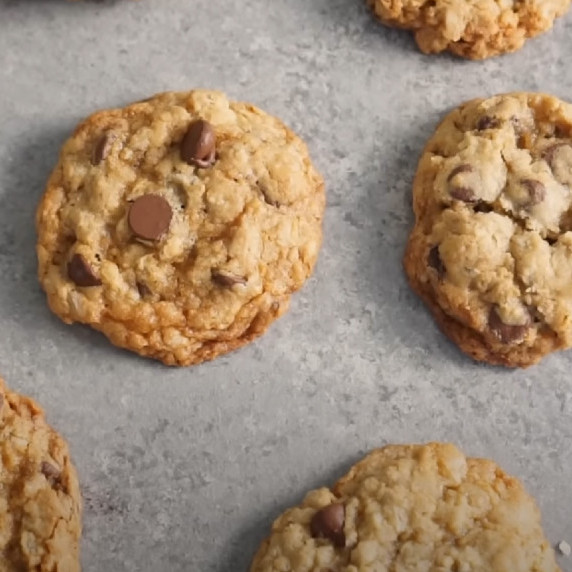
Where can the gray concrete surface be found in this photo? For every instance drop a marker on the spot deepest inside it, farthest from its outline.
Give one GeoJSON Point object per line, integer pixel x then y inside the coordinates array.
{"type": "Point", "coordinates": [184, 469]}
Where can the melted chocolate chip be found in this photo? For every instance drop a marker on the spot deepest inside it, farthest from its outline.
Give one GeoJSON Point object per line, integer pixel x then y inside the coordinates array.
{"type": "Point", "coordinates": [559, 159]}
{"type": "Point", "coordinates": [329, 523]}
{"type": "Point", "coordinates": [81, 273]}
{"type": "Point", "coordinates": [143, 289]}
{"type": "Point", "coordinates": [51, 472]}
{"type": "Point", "coordinates": [487, 122]}
{"type": "Point", "coordinates": [535, 189]}
{"type": "Point", "coordinates": [464, 168]}
{"type": "Point", "coordinates": [460, 191]}
{"type": "Point", "coordinates": [198, 145]}
{"type": "Point", "coordinates": [463, 194]}
{"type": "Point", "coordinates": [434, 261]}
{"type": "Point", "coordinates": [102, 148]}
{"type": "Point", "coordinates": [482, 207]}
{"type": "Point", "coordinates": [266, 195]}
{"type": "Point", "coordinates": [226, 279]}
{"type": "Point", "coordinates": [149, 217]}
{"type": "Point", "coordinates": [506, 333]}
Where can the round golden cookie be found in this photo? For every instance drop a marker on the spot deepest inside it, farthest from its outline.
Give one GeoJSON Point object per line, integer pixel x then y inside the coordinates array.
{"type": "Point", "coordinates": [412, 508]}
{"type": "Point", "coordinates": [40, 501]}
{"type": "Point", "coordinates": [491, 250]}
{"type": "Point", "coordinates": [179, 226]}
{"type": "Point", "coordinates": [474, 29]}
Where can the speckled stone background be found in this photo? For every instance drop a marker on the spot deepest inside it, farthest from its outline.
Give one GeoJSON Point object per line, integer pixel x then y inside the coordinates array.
{"type": "Point", "coordinates": [184, 469]}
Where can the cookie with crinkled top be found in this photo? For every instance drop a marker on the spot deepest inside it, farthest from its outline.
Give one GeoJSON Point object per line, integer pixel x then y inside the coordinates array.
{"type": "Point", "coordinates": [179, 226]}
{"type": "Point", "coordinates": [412, 508]}
{"type": "Point", "coordinates": [491, 250]}
{"type": "Point", "coordinates": [40, 501]}
{"type": "Point", "coordinates": [474, 29]}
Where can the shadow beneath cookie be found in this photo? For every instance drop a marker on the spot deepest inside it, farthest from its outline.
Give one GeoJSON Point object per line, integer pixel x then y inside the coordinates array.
{"type": "Point", "coordinates": [382, 219]}
{"type": "Point", "coordinates": [357, 21]}
{"type": "Point", "coordinates": [240, 553]}
{"type": "Point", "coordinates": [31, 159]}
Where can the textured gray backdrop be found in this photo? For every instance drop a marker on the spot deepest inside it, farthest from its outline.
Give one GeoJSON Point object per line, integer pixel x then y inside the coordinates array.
{"type": "Point", "coordinates": [184, 469]}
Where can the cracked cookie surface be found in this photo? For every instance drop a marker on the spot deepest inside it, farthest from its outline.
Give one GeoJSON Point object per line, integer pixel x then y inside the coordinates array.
{"type": "Point", "coordinates": [491, 250]}
{"type": "Point", "coordinates": [40, 502]}
{"type": "Point", "coordinates": [474, 29]}
{"type": "Point", "coordinates": [412, 508]}
{"type": "Point", "coordinates": [179, 226]}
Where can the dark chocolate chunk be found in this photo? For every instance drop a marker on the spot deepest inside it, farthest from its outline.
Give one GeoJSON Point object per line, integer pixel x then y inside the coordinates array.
{"type": "Point", "coordinates": [434, 261]}
{"type": "Point", "coordinates": [329, 523]}
{"type": "Point", "coordinates": [81, 273]}
{"type": "Point", "coordinates": [226, 279]}
{"type": "Point", "coordinates": [506, 333]}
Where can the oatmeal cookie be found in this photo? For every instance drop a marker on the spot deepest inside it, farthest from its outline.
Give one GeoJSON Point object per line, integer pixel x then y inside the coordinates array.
{"type": "Point", "coordinates": [40, 501]}
{"type": "Point", "coordinates": [474, 29]}
{"type": "Point", "coordinates": [491, 250]}
{"type": "Point", "coordinates": [412, 508]}
{"type": "Point", "coordinates": [179, 226]}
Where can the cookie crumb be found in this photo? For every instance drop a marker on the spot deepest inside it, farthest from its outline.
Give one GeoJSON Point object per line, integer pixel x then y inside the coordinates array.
{"type": "Point", "coordinates": [564, 548]}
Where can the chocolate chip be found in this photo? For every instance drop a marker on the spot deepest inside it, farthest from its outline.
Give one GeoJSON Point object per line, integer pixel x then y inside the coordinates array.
{"type": "Point", "coordinates": [463, 194]}
{"type": "Point", "coordinates": [487, 122]}
{"type": "Point", "coordinates": [535, 189]}
{"type": "Point", "coordinates": [482, 207]}
{"type": "Point", "coordinates": [81, 273]}
{"type": "Point", "coordinates": [198, 145]}
{"type": "Point", "coordinates": [266, 194]}
{"type": "Point", "coordinates": [102, 148]}
{"type": "Point", "coordinates": [506, 333]}
{"type": "Point", "coordinates": [434, 261]}
{"type": "Point", "coordinates": [51, 472]}
{"type": "Point", "coordinates": [464, 168]}
{"type": "Point", "coordinates": [143, 289]}
{"type": "Point", "coordinates": [226, 279]}
{"type": "Point", "coordinates": [329, 523]}
{"type": "Point", "coordinates": [149, 217]}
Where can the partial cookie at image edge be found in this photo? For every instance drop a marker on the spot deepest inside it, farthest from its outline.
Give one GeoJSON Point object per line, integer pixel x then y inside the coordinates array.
{"type": "Point", "coordinates": [406, 504]}
{"type": "Point", "coordinates": [500, 149]}
{"type": "Point", "coordinates": [40, 499]}
{"type": "Point", "coordinates": [467, 30]}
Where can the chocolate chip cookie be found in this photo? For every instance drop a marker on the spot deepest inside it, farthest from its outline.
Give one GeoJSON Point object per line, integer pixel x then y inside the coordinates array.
{"type": "Point", "coordinates": [179, 226]}
{"type": "Point", "coordinates": [412, 508]}
{"type": "Point", "coordinates": [474, 29]}
{"type": "Point", "coordinates": [491, 250]}
{"type": "Point", "coordinates": [40, 502]}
